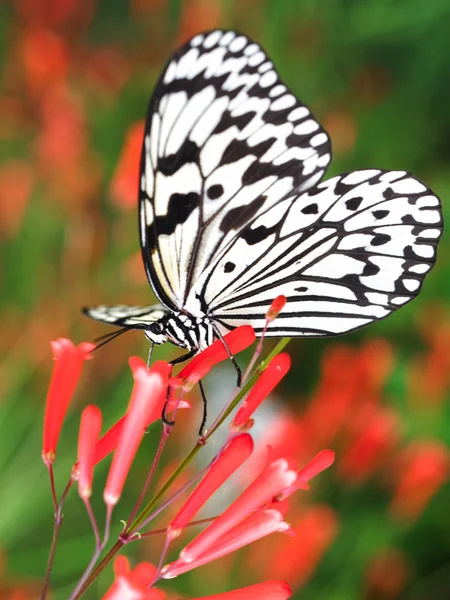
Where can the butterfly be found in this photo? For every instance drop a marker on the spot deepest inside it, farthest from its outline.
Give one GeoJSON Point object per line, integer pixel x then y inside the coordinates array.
{"type": "Point", "coordinates": [232, 212]}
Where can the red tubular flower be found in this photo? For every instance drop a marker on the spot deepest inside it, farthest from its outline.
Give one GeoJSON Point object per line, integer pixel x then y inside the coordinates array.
{"type": "Point", "coordinates": [424, 468]}
{"type": "Point", "coordinates": [237, 340]}
{"type": "Point", "coordinates": [90, 426]}
{"type": "Point", "coordinates": [257, 525]}
{"type": "Point", "coordinates": [387, 574]}
{"type": "Point", "coordinates": [66, 373]}
{"type": "Point", "coordinates": [147, 400]}
{"type": "Point", "coordinates": [322, 460]}
{"type": "Point", "coordinates": [276, 370]}
{"type": "Point", "coordinates": [319, 463]}
{"type": "Point", "coordinates": [108, 442]}
{"type": "Point", "coordinates": [269, 590]}
{"type": "Point", "coordinates": [127, 172]}
{"type": "Point", "coordinates": [275, 478]}
{"type": "Point", "coordinates": [275, 308]}
{"type": "Point", "coordinates": [370, 447]}
{"type": "Point", "coordinates": [133, 584]}
{"type": "Point", "coordinates": [237, 451]}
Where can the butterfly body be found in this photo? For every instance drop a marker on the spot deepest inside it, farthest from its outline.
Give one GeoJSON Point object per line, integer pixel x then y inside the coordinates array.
{"type": "Point", "coordinates": [192, 333]}
{"type": "Point", "coordinates": [232, 212]}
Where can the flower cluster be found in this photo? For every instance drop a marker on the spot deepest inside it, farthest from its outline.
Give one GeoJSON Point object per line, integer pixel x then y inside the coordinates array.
{"type": "Point", "coordinates": [258, 511]}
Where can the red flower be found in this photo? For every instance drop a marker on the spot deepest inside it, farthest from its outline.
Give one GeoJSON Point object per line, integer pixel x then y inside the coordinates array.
{"type": "Point", "coordinates": [275, 308]}
{"type": "Point", "coordinates": [237, 340]}
{"type": "Point", "coordinates": [269, 590]}
{"type": "Point", "coordinates": [209, 546]}
{"type": "Point", "coordinates": [133, 584]}
{"type": "Point", "coordinates": [108, 442]}
{"type": "Point", "coordinates": [319, 463]}
{"type": "Point", "coordinates": [66, 373]}
{"type": "Point", "coordinates": [147, 400]}
{"type": "Point", "coordinates": [275, 371]}
{"type": "Point", "coordinates": [424, 467]}
{"type": "Point", "coordinates": [369, 448]}
{"type": "Point", "coordinates": [125, 180]}
{"type": "Point", "coordinates": [248, 518]}
{"type": "Point", "coordinates": [236, 452]}
{"type": "Point", "coordinates": [90, 426]}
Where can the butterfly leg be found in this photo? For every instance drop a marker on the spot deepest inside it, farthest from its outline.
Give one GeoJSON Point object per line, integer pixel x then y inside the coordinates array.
{"type": "Point", "coordinates": [201, 431]}
{"type": "Point", "coordinates": [176, 361]}
{"type": "Point", "coordinates": [230, 356]}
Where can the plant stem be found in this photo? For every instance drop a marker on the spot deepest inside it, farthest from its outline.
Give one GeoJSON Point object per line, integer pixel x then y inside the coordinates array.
{"type": "Point", "coordinates": [51, 556]}
{"type": "Point", "coordinates": [99, 568]}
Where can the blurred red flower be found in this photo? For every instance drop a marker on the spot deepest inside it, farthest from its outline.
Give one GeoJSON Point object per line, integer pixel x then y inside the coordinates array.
{"type": "Point", "coordinates": [421, 469]}
{"type": "Point", "coordinates": [125, 183]}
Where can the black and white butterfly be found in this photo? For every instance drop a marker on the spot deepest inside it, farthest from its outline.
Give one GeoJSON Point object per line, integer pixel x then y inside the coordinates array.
{"type": "Point", "coordinates": [232, 213]}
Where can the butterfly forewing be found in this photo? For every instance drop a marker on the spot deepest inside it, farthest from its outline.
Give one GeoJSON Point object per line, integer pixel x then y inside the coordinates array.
{"type": "Point", "coordinates": [225, 140]}
{"type": "Point", "coordinates": [346, 253]}
{"type": "Point", "coordinates": [134, 317]}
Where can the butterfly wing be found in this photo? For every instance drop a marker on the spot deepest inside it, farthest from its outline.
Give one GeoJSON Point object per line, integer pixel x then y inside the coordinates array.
{"type": "Point", "coordinates": [133, 317]}
{"type": "Point", "coordinates": [225, 140]}
{"type": "Point", "coordinates": [348, 252]}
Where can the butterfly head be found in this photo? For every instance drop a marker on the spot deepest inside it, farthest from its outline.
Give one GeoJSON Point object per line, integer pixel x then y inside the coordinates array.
{"type": "Point", "coordinates": [156, 332]}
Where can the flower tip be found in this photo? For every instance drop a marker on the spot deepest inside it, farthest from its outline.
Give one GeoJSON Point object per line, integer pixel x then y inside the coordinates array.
{"type": "Point", "coordinates": [136, 363]}
{"type": "Point", "coordinates": [241, 427]}
{"type": "Point", "coordinates": [286, 587]}
{"type": "Point", "coordinates": [165, 572]}
{"type": "Point", "coordinates": [275, 308]}
{"type": "Point", "coordinates": [328, 457]}
{"type": "Point", "coordinates": [173, 533]}
{"type": "Point", "coordinates": [121, 566]}
{"type": "Point", "coordinates": [48, 457]}
{"type": "Point", "coordinates": [110, 499]}
{"type": "Point", "coordinates": [86, 348]}
{"type": "Point", "coordinates": [85, 492]}
{"type": "Point", "coordinates": [75, 473]}
{"type": "Point", "coordinates": [186, 556]}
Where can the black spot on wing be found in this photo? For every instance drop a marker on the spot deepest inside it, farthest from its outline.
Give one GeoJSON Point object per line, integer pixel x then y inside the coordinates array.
{"type": "Point", "coordinates": [370, 269]}
{"type": "Point", "coordinates": [380, 239]}
{"type": "Point", "coordinates": [240, 121]}
{"type": "Point", "coordinates": [214, 191]}
{"type": "Point", "coordinates": [188, 153]}
{"type": "Point", "coordinates": [380, 214]}
{"type": "Point", "coordinates": [353, 203]}
{"type": "Point", "coordinates": [178, 211]}
{"type": "Point", "coordinates": [254, 236]}
{"type": "Point", "coordinates": [311, 209]}
{"type": "Point", "coordinates": [229, 267]}
{"type": "Point", "coordinates": [235, 218]}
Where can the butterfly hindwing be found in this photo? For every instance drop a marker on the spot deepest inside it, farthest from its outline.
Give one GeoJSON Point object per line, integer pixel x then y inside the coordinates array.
{"type": "Point", "coordinates": [346, 253]}
{"type": "Point", "coordinates": [225, 140]}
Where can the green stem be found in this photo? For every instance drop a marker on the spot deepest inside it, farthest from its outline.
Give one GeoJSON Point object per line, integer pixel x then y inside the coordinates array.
{"type": "Point", "coordinates": [99, 568]}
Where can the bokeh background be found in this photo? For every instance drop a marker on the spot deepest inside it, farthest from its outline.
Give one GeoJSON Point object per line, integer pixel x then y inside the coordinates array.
{"type": "Point", "coordinates": [75, 78]}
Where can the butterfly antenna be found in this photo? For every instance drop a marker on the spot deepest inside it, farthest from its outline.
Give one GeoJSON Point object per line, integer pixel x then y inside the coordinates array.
{"type": "Point", "coordinates": [109, 337]}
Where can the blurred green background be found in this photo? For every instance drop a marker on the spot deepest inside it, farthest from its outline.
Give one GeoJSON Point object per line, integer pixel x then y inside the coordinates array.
{"type": "Point", "coordinates": [76, 76]}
